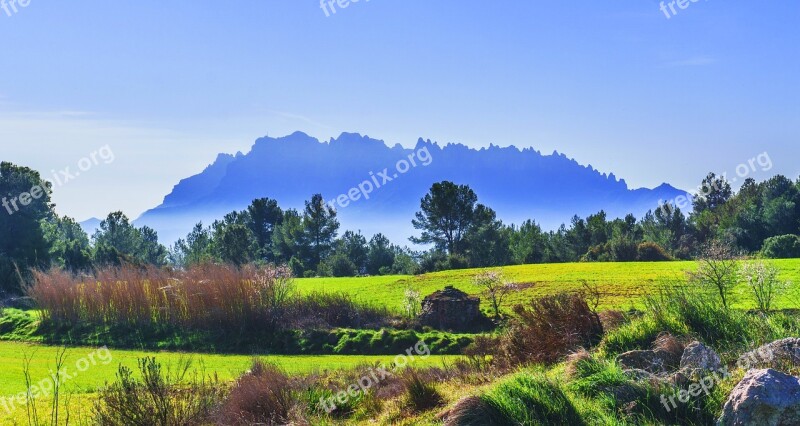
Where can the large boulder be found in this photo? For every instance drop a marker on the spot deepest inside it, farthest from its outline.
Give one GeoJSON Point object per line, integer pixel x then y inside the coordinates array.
{"type": "Point", "coordinates": [763, 398]}
{"type": "Point", "coordinates": [778, 354]}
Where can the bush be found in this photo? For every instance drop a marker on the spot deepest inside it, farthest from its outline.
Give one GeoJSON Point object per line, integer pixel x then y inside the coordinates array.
{"type": "Point", "coordinates": [264, 395]}
{"type": "Point", "coordinates": [781, 247]}
{"type": "Point", "coordinates": [161, 397]}
{"type": "Point", "coordinates": [339, 265]}
{"type": "Point", "coordinates": [763, 281]}
{"type": "Point", "coordinates": [550, 328]}
{"type": "Point", "coordinates": [651, 252]}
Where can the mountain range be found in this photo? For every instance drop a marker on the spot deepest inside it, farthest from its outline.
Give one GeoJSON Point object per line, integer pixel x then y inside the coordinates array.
{"type": "Point", "coordinates": [517, 184]}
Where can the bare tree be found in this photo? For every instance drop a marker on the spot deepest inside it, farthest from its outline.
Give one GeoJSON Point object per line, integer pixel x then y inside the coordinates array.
{"type": "Point", "coordinates": [495, 288]}
{"type": "Point", "coordinates": [718, 268]}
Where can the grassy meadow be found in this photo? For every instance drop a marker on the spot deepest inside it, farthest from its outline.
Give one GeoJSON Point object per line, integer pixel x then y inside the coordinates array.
{"type": "Point", "coordinates": [623, 285]}
{"type": "Point", "coordinates": [81, 387]}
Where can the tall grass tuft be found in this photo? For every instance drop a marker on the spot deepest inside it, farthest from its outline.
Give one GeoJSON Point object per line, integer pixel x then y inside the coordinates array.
{"type": "Point", "coordinates": [215, 298]}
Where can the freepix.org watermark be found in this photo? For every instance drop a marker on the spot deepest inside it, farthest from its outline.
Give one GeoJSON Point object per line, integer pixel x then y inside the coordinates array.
{"type": "Point", "coordinates": [330, 6]}
{"type": "Point", "coordinates": [375, 376]}
{"type": "Point", "coordinates": [380, 179]}
{"type": "Point", "coordinates": [60, 178]}
{"type": "Point", "coordinates": [671, 8]}
{"type": "Point", "coordinates": [12, 7]}
{"type": "Point", "coordinates": [762, 162]}
{"type": "Point", "coordinates": [45, 387]}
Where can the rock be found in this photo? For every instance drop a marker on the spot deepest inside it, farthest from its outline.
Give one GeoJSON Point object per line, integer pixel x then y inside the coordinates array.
{"type": "Point", "coordinates": [780, 353]}
{"type": "Point", "coordinates": [763, 398]}
{"type": "Point", "coordinates": [450, 309]}
{"type": "Point", "coordinates": [654, 362]}
{"type": "Point", "coordinates": [699, 359]}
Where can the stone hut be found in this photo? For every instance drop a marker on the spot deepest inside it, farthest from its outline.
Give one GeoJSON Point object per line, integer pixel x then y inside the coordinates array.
{"type": "Point", "coordinates": [450, 309]}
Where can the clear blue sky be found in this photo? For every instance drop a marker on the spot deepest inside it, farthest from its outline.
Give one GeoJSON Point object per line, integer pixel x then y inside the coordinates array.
{"type": "Point", "coordinates": [615, 84]}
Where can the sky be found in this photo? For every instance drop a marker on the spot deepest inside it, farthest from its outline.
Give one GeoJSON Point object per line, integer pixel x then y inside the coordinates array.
{"type": "Point", "coordinates": [622, 85]}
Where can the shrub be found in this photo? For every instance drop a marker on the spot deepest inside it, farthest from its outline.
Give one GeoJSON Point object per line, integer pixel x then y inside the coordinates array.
{"type": "Point", "coordinates": [651, 252]}
{"type": "Point", "coordinates": [160, 397]}
{"type": "Point", "coordinates": [550, 328]}
{"type": "Point", "coordinates": [717, 269]}
{"type": "Point", "coordinates": [781, 247]}
{"type": "Point", "coordinates": [264, 395]}
{"type": "Point", "coordinates": [763, 281]}
{"type": "Point", "coordinates": [339, 265]}
{"type": "Point", "coordinates": [420, 394]}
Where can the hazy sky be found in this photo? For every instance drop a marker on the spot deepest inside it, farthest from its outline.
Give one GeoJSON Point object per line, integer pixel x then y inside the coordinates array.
{"type": "Point", "coordinates": [169, 84]}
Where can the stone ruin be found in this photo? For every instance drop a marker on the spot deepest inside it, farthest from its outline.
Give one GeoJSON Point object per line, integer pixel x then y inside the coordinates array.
{"type": "Point", "coordinates": [450, 309]}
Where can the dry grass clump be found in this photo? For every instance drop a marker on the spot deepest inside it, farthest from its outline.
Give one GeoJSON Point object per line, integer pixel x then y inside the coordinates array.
{"type": "Point", "coordinates": [550, 328]}
{"type": "Point", "coordinates": [265, 395]}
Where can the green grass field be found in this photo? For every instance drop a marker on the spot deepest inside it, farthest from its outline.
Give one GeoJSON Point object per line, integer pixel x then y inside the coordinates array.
{"type": "Point", "coordinates": [623, 285]}
{"type": "Point", "coordinates": [82, 384]}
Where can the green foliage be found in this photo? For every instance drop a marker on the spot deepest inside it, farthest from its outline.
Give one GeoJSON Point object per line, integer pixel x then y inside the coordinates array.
{"type": "Point", "coordinates": [651, 252]}
{"type": "Point", "coordinates": [26, 204]}
{"type": "Point", "coordinates": [117, 242]}
{"type": "Point", "coordinates": [69, 244]}
{"type": "Point", "coordinates": [446, 214]}
{"type": "Point", "coordinates": [781, 247]}
{"type": "Point", "coordinates": [320, 227]}
{"type": "Point", "coordinates": [157, 396]}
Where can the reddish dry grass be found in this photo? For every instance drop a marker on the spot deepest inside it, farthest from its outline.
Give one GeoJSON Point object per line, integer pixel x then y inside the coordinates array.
{"type": "Point", "coordinates": [209, 296]}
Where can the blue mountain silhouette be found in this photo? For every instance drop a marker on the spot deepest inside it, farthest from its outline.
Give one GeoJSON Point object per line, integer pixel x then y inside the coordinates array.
{"type": "Point", "coordinates": [518, 184]}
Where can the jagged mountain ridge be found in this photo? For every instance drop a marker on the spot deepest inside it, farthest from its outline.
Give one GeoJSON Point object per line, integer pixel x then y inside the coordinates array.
{"type": "Point", "coordinates": [518, 184]}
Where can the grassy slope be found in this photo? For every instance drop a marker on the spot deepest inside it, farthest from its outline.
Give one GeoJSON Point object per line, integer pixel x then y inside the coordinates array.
{"type": "Point", "coordinates": [623, 284]}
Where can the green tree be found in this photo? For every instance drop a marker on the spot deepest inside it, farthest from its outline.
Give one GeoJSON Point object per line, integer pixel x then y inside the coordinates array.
{"type": "Point", "coordinates": [69, 244]}
{"type": "Point", "coordinates": [320, 227]}
{"type": "Point", "coordinates": [527, 244]}
{"type": "Point", "coordinates": [380, 254]}
{"type": "Point", "coordinates": [233, 240]}
{"type": "Point", "coordinates": [195, 249]}
{"type": "Point", "coordinates": [26, 204]}
{"type": "Point", "coordinates": [265, 215]}
{"type": "Point", "coordinates": [446, 213]}
{"type": "Point", "coordinates": [117, 241]}
{"type": "Point", "coordinates": [288, 241]}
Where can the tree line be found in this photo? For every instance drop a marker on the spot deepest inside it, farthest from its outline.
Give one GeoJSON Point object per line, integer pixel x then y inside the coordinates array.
{"type": "Point", "coordinates": [761, 218]}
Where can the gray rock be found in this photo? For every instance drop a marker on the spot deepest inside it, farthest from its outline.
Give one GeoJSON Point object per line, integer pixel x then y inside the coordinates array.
{"type": "Point", "coordinates": [698, 360]}
{"type": "Point", "coordinates": [763, 398]}
{"type": "Point", "coordinates": [780, 353]}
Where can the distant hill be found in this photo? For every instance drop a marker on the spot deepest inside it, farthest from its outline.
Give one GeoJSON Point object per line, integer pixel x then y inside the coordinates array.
{"type": "Point", "coordinates": [518, 184]}
{"type": "Point", "coordinates": [90, 225]}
